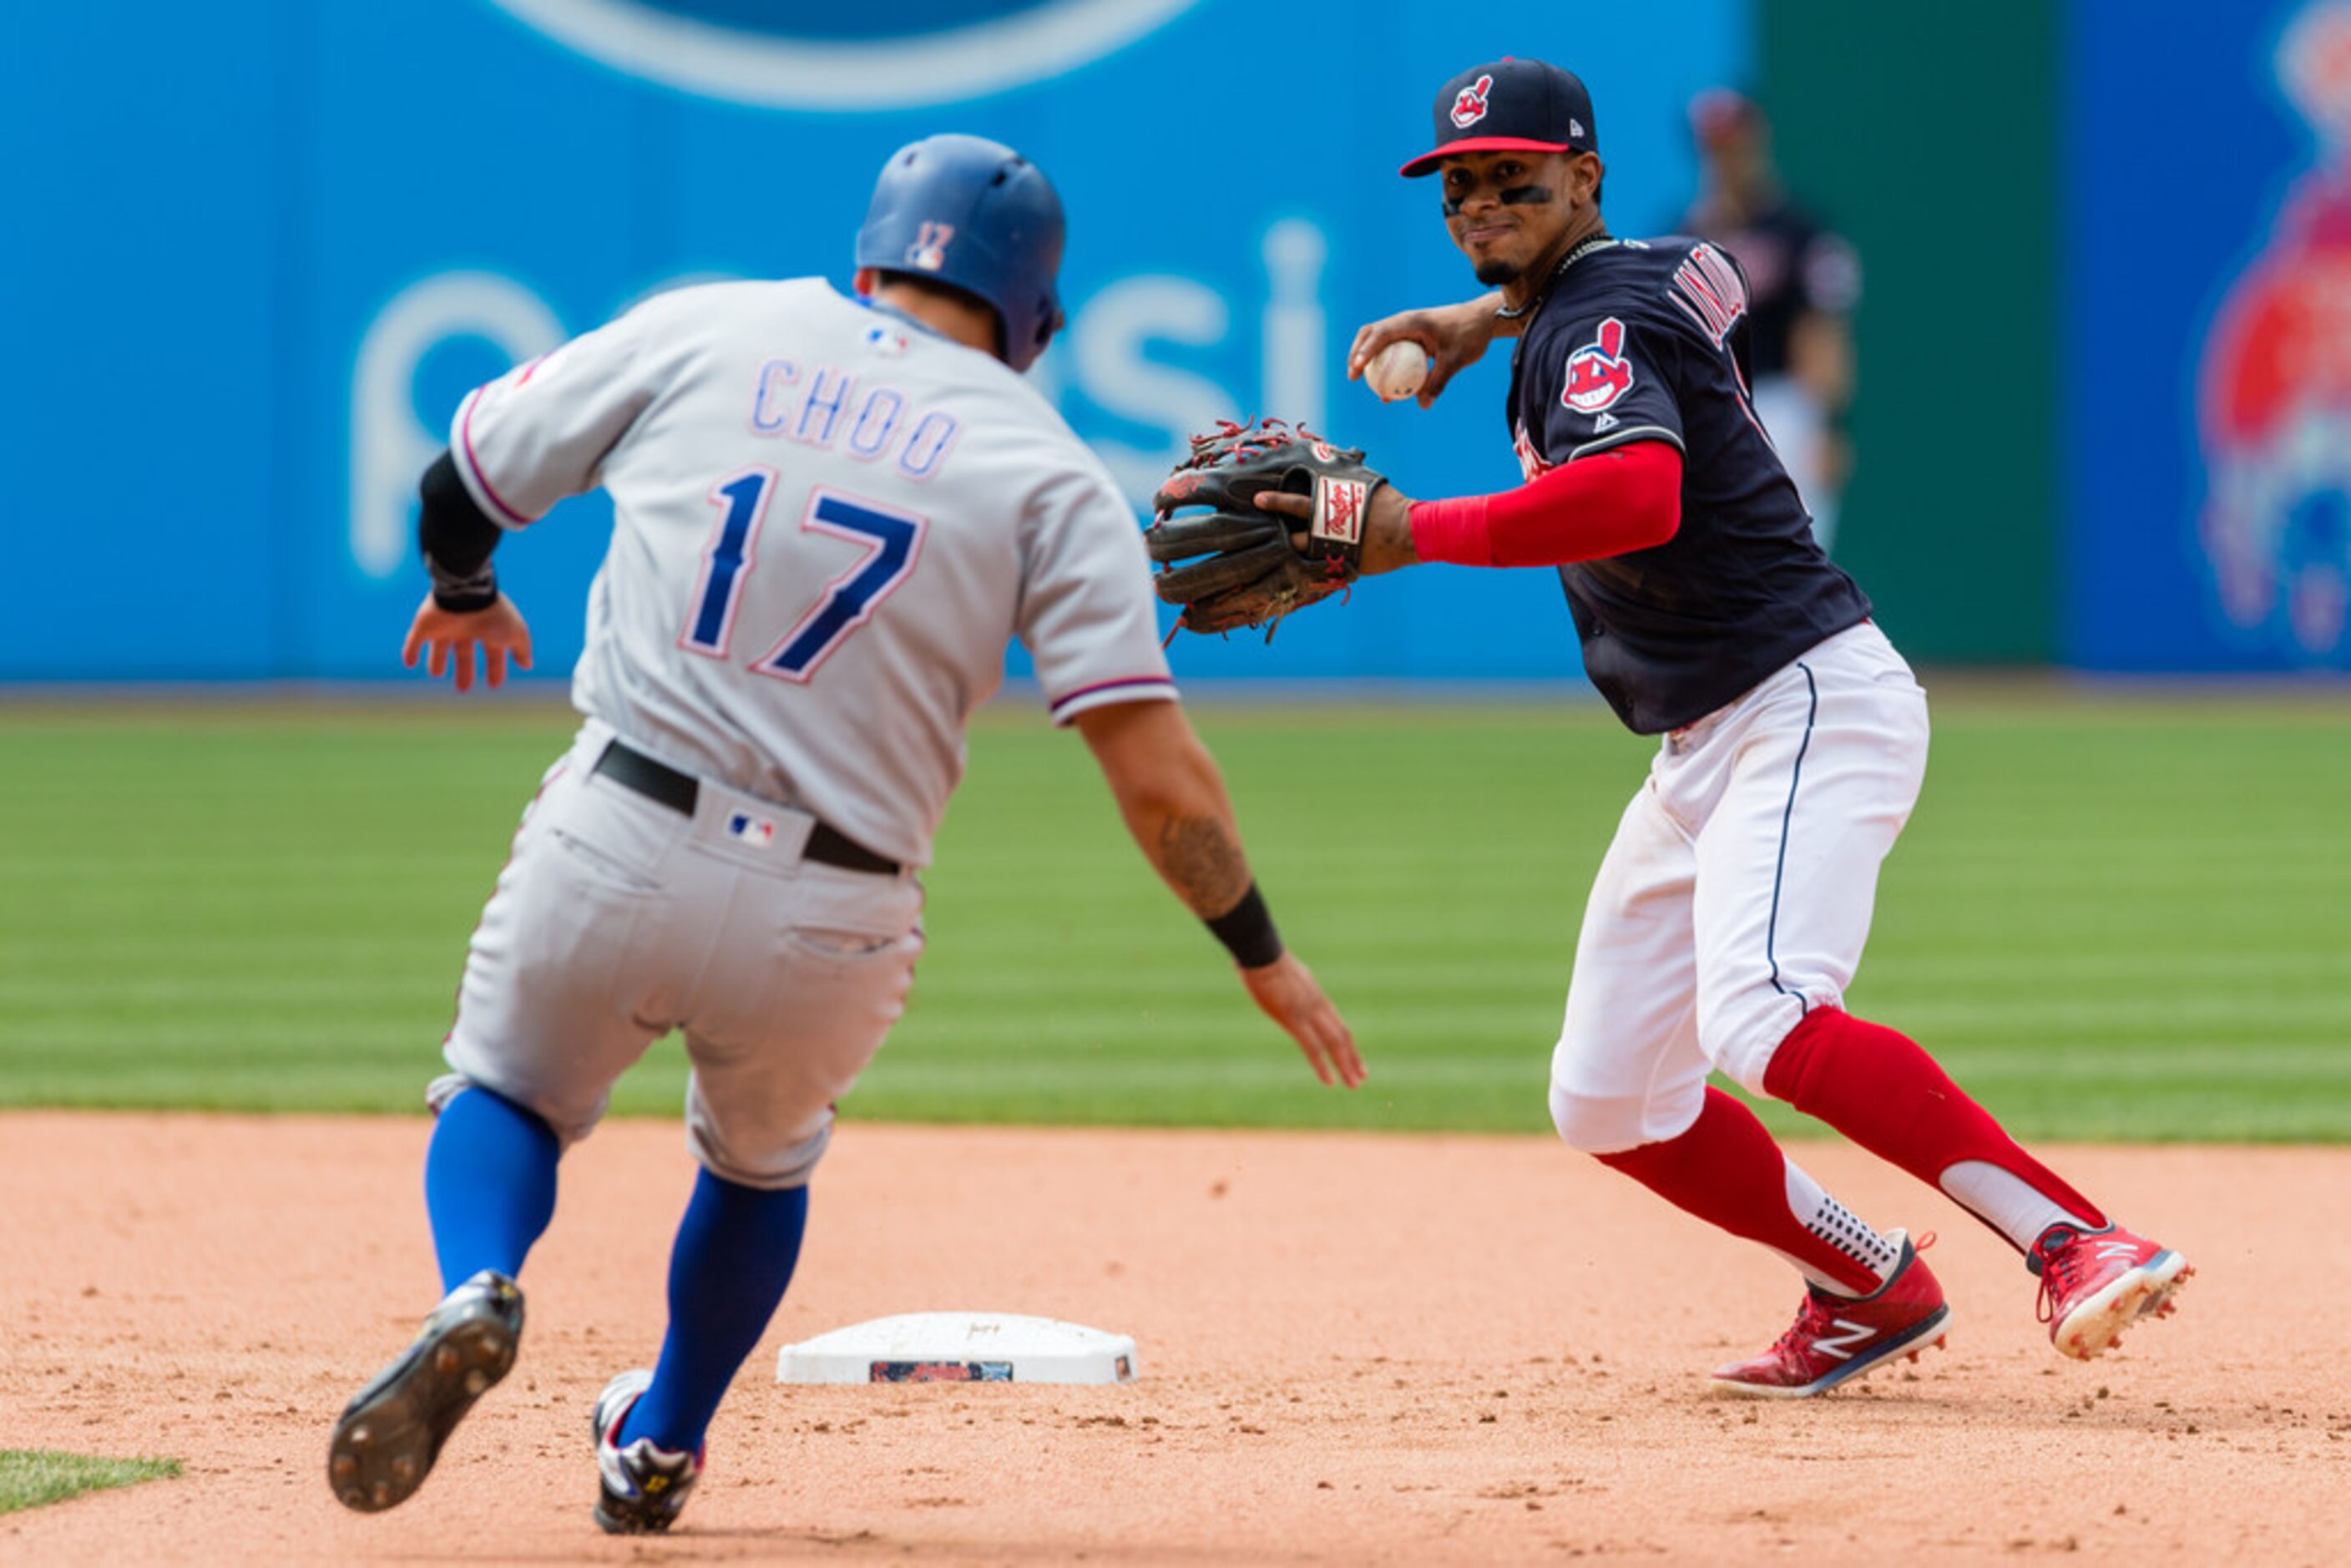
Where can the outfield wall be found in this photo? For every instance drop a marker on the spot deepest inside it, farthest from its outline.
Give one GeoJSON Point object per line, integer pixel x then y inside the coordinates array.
{"type": "Point", "coordinates": [274, 241]}
{"type": "Point", "coordinates": [2104, 408]}
{"type": "Point", "coordinates": [262, 247]}
{"type": "Point", "coordinates": [2206, 296]}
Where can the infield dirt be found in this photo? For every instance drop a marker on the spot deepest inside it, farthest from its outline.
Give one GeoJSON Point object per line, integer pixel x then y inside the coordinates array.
{"type": "Point", "coordinates": [1355, 1349]}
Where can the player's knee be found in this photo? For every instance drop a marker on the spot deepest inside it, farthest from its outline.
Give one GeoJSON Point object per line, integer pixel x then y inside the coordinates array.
{"type": "Point", "coordinates": [567, 1124]}
{"type": "Point", "coordinates": [747, 1158]}
{"type": "Point", "coordinates": [1608, 1093]}
{"type": "Point", "coordinates": [1596, 1123]}
{"type": "Point", "coordinates": [1601, 1124]}
{"type": "Point", "coordinates": [1738, 1033]}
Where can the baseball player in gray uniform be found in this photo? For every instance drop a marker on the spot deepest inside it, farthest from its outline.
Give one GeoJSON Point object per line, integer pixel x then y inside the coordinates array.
{"type": "Point", "coordinates": [830, 516]}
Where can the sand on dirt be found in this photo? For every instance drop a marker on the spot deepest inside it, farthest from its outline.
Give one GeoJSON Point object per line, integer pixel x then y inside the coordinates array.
{"type": "Point", "coordinates": [1355, 1349]}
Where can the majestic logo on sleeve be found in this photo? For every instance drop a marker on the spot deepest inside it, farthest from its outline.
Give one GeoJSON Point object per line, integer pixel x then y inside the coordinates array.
{"type": "Point", "coordinates": [1469, 107]}
{"type": "Point", "coordinates": [1598, 374]}
{"type": "Point", "coordinates": [929, 250]}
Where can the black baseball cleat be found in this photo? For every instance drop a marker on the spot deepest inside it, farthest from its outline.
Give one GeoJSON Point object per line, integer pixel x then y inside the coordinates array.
{"type": "Point", "coordinates": [642, 1486]}
{"type": "Point", "coordinates": [392, 1431]}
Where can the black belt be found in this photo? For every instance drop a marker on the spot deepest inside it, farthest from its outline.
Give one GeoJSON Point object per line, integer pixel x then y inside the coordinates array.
{"type": "Point", "coordinates": [633, 769]}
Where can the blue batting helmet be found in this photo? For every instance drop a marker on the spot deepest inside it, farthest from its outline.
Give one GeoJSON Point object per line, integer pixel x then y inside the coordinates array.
{"type": "Point", "coordinates": [973, 213]}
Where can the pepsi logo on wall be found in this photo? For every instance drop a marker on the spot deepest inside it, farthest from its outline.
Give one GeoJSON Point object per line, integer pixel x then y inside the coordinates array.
{"type": "Point", "coordinates": [347, 270]}
{"type": "Point", "coordinates": [903, 55]}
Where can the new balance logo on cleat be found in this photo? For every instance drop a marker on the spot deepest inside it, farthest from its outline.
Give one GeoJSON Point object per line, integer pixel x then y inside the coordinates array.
{"type": "Point", "coordinates": [1836, 1338]}
{"type": "Point", "coordinates": [1843, 1345]}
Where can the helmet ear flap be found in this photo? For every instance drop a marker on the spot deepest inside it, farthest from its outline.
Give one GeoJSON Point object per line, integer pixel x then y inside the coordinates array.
{"type": "Point", "coordinates": [1049, 322]}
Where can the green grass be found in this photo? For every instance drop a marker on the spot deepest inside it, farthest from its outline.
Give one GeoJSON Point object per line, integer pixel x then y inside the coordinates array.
{"type": "Point", "coordinates": [2122, 918]}
{"type": "Point", "coordinates": [32, 1477]}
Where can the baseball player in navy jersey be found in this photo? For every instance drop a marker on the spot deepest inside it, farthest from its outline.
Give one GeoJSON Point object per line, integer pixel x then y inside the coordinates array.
{"type": "Point", "coordinates": [1803, 281]}
{"type": "Point", "coordinates": [829, 517]}
{"type": "Point", "coordinates": [1730, 914]}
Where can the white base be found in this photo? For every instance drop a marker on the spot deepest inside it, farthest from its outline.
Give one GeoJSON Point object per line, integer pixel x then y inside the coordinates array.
{"type": "Point", "coordinates": [960, 1347]}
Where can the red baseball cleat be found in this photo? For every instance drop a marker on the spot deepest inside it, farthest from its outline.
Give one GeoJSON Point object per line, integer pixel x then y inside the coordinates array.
{"type": "Point", "coordinates": [2096, 1284]}
{"type": "Point", "coordinates": [1837, 1337]}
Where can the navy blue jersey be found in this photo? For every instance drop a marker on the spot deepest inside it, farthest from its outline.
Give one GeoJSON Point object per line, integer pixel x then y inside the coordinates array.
{"type": "Point", "coordinates": [1647, 342]}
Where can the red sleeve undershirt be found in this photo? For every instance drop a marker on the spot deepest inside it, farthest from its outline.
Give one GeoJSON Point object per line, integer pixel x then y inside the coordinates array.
{"type": "Point", "coordinates": [1627, 498]}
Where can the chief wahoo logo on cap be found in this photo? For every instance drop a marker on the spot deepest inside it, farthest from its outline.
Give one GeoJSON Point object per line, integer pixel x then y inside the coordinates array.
{"type": "Point", "coordinates": [1470, 107]}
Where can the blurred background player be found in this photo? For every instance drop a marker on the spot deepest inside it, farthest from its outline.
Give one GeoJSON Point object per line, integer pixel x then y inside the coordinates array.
{"type": "Point", "coordinates": [1802, 283]}
{"type": "Point", "coordinates": [831, 517]}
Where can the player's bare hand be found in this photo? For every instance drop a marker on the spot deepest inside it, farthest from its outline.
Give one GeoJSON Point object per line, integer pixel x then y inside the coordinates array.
{"type": "Point", "coordinates": [451, 638]}
{"type": "Point", "coordinates": [1388, 534]}
{"type": "Point", "coordinates": [1455, 336]}
{"type": "Point", "coordinates": [1286, 991]}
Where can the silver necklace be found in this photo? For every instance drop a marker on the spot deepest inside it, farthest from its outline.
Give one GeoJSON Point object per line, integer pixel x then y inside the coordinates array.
{"type": "Point", "coordinates": [1596, 242]}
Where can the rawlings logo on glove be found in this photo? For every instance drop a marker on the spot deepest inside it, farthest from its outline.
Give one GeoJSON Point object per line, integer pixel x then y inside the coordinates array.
{"type": "Point", "coordinates": [1236, 565]}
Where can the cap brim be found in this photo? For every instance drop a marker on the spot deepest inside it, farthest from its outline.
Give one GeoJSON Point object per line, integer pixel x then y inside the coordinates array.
{"type": "Point", "coordinates": [1426, 162]}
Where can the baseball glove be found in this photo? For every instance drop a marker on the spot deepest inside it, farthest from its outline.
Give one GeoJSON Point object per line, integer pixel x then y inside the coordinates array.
{"type": "Point", "coordinates": [1234, 565]}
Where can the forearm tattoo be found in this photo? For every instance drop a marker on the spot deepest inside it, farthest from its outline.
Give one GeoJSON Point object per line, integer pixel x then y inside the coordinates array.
{"type": "Point", "coordinates": [1200, 860]}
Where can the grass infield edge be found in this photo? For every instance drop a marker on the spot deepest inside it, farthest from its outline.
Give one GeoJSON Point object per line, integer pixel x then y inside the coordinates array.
{"type": "Point", "coordinates": [34, 1478]}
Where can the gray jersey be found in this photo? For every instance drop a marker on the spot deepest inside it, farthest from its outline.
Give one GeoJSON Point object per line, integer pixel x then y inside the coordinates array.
{"type": "Point", "coordinates": [827, 524]}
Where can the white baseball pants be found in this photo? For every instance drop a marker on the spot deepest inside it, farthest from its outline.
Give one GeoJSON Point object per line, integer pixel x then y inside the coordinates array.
{"type": "Point", "coordinates": [1737, 895]}
{"type": "Point", "coordinates": [619, 918]}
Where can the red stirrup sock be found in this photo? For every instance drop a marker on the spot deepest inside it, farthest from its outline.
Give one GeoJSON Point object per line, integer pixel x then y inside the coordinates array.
{"type": "Point", "coordinates": [1727, 1171]}
{"type": "Point", "coordinates": [1880, 1087]}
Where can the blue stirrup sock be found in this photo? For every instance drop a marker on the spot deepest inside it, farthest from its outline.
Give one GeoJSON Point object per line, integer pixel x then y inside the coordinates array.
{"type": "Point", "coordinates": [734, 1254]}
{"type": "Point", "coordinates": [489, 1185]}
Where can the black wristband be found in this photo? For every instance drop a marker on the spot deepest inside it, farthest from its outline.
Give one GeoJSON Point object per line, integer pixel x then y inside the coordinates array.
{"type": "Point", "coordinates": [1247, 931]}
{"type": "Point", "coordinates": [461, 595]}
{"type": "Point", "coordinates": [457, 537]}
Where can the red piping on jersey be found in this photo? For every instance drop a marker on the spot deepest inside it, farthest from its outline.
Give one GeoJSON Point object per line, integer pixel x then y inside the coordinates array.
{"type": "Point", "coordinates": [1061, 702]}
{"type": "Point", "coordinates": [465, 440]}
{"type": "Point", "coordinates": [1626, 498]}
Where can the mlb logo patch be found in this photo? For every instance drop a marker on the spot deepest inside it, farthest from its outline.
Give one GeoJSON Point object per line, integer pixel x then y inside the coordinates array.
{"type": "Point", "coordinates": [757, 832]}
{"type": "Point", "coordinates": [885, 340]}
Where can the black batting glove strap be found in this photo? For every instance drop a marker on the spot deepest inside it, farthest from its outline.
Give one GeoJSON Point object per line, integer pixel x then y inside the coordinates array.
{"type": "Point", "coordinates": [1247, 931]}
{"type": "Point", "coordinates": [463, 593]}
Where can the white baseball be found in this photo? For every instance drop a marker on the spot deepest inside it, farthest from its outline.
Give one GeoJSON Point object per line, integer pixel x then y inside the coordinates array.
{"type": "Point", "coordinates": [1397, 371]}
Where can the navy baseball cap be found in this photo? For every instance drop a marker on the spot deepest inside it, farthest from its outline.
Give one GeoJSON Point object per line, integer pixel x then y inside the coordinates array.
{"type": "Point", "coordinates": [1509, 106]}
